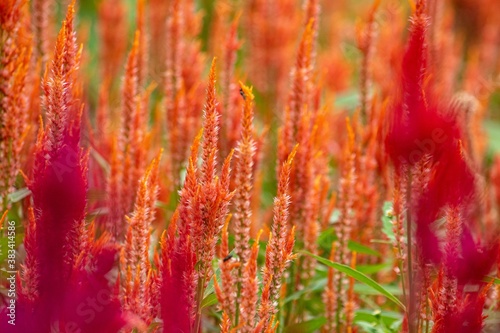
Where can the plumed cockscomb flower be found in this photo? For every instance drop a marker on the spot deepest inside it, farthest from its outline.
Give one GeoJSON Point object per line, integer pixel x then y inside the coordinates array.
{"type": "Point", "coordinates": [64, 284]}
{"type": "Point", "coordinates": [423, 132]}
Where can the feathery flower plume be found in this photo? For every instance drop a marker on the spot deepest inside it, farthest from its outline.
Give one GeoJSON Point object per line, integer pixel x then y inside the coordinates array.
{"type": "Point", "coordinates": [249, 292]}
{"type": "Point", "coordinates": [59, 251]}
{"type": "Point", "coordinates": [203, 207]}
{"type": "Point", "coordinates": [142, 54]}
{"type": "Point", "coordinates": [419, 131]}
{"type": "Point", "coordinates": [210, 130]}
{"type": "Point", "coordinates": [312, 10]}
{"type": "Point", "coordinates": [182, 82]}
{"type": "Point", "coordinates": [131, 145]}
{"type": "Point", "coordinates": [41, 18]}
{"type": "Point", "coordinates": [346, 199]}
{"type": "Point", "coordinates": [227, 294]}
{"type": "Point", "coordinates": [225, 326]}
{"type": "Point", "coordinates": [243, 175]}
{"type": "Point", "coordinates": [215, 197]}
{"type": "Point", "coordinates": [135, 253]}
{"type": "Point", "coordinates": [112, 23]}
{"type": "Point", "coordinates": [130, 91]}
{"type": "Point", "coordinates": [365, 39]}
{"type": "Point", "coordinates": [299, 96]}
{"type": "Point", "coordinates": [158, 29]}
{"type": "Point", "coordinates": [15, 54]}
{"type": "Point", "coordinates": [279, 247]}
{"type": "Point", "coordinates": [232, 99]}
{"type": "Point", "coordinates": [272, 32]}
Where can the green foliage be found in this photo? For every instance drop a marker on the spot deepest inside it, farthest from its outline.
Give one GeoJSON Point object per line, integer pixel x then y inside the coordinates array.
{"type": "Point", "coordinates": [312, 325]}
{"type": "Point", "coordinates": [357, 275]}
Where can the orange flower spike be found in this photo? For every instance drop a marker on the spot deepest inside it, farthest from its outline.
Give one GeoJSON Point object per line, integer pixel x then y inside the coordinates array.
{"type": "Point", "coordinates": [226, 177]}
{"type": "Point", "coordinates": [114, 191]}
{"type": "Point", "coordinates": [175, 32]}
{"type": "Point", "coordinates": [285, 136]}
{"type": "Point", "coordinates": [301, 78]}
{"type": "Point", "coordinates": [312, 10]}
{"type": "Point", "coordinates": [129, 253]}
{"type": "Point", "coordinates": [249, 292]}
{"type": "Point", "coordinates": [157, 19]}
{"type": "Point", "coordinates": [130, 90]}
{"type": "Point", "coordinates": [228, 294]}
{"type": "Point", "coordinates": [138, 238]}
{"type": "Point", "coordinates": [365, 40]}
{"type": "Point", "coordinates": [112, 22]}
{"type": "Point", "coordinates": [346, 220]}
{"type": "Point", "coordinates": [280, 244]}
{"type": "Point", "coordinates": [210, 130]}
{"type": "Point", "coordinates": [53, 85]}
{"type": "Point", "coordinates": [272, 328]}
{"type": "Point", "coordinates": [42, 30]}
{"type": "Point", "coordinates": [15, 54]}
{"type": "Point", "coordinates": [225, 326]}
{"type": "Point", "coordinates": [288, 251]}
{"type": "Point", "coordinates": [243, 175]}
{"type": "Point", "coordinates": [142, 55]}
{"type": "Point", "coordinates": [131, 130]}
{"type": "Point", "coordinates": [140, 138]}
{"type": "Point", "coordinates": [265, 302]}
{"type": "Point", "coordinates": [72, 54]}
{"type": "Point", "coordinates": [224, 247]}
{"type": "Point", "coordinates": [311, 227]}
{"type": "Point", "coordinates": [188, 191]}
{"type": "Point", "coordinates": [301, 174]}
{"type": "Point", "coordinates": [215, 212]}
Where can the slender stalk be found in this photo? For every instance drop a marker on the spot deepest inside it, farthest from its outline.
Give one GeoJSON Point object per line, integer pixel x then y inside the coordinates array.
{"type": "Point", "coordinates": [199, 299]}
{"type": "Point", "coordinates": [237, 314]}
{"type": "Point", "coordinates": [411, 305]}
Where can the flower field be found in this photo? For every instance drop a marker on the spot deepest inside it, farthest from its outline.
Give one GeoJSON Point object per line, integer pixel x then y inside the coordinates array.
{"type": "Point", "coordinates": [253, 166]}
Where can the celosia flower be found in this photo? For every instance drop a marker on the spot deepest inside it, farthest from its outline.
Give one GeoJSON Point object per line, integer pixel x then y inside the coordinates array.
{"type": "Point", "coordinates": [68, 287]}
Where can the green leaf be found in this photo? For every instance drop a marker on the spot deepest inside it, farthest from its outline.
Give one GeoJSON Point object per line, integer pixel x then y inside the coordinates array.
{"type": "Point", "coordinates": [312, 287]}
{"type": "Point", "coordinates": [19, 194]}
{"type": "Point", "coordinates": [493, 130]}
{"type": "Point", "coordinates": [387, 217]}
{"type": "Point", "coordinates": [209, 300]}
{"type": "Point", "coordinates": [312, 325]}
{"type": "Point", "coordinates": [328, 236]}
{"type": "Point", "coordinates": [369, 327]}
{"type": "Point", "coordinates": [378, 320]}
{"type": "Point", "coordinates": [363, 289]}
{"type": "Point", "coordinates": [359, 248]}
{"type": "Point", "coordinates": [372, 316]}
{"type": "Point", "coordinates": [372, 269]}
{"type": "Point", "coordinates": [348, 100]}
{"type": "Point", "coordinates": [358, 276]}
{"type": "Point", "coordinates": [491, 279]}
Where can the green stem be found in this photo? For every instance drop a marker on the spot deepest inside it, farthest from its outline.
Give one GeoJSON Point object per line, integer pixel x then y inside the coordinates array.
{"type": "Point", "coordinates": [411, 310]}
{"type": "Point", "coordinates": [199, 299]}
